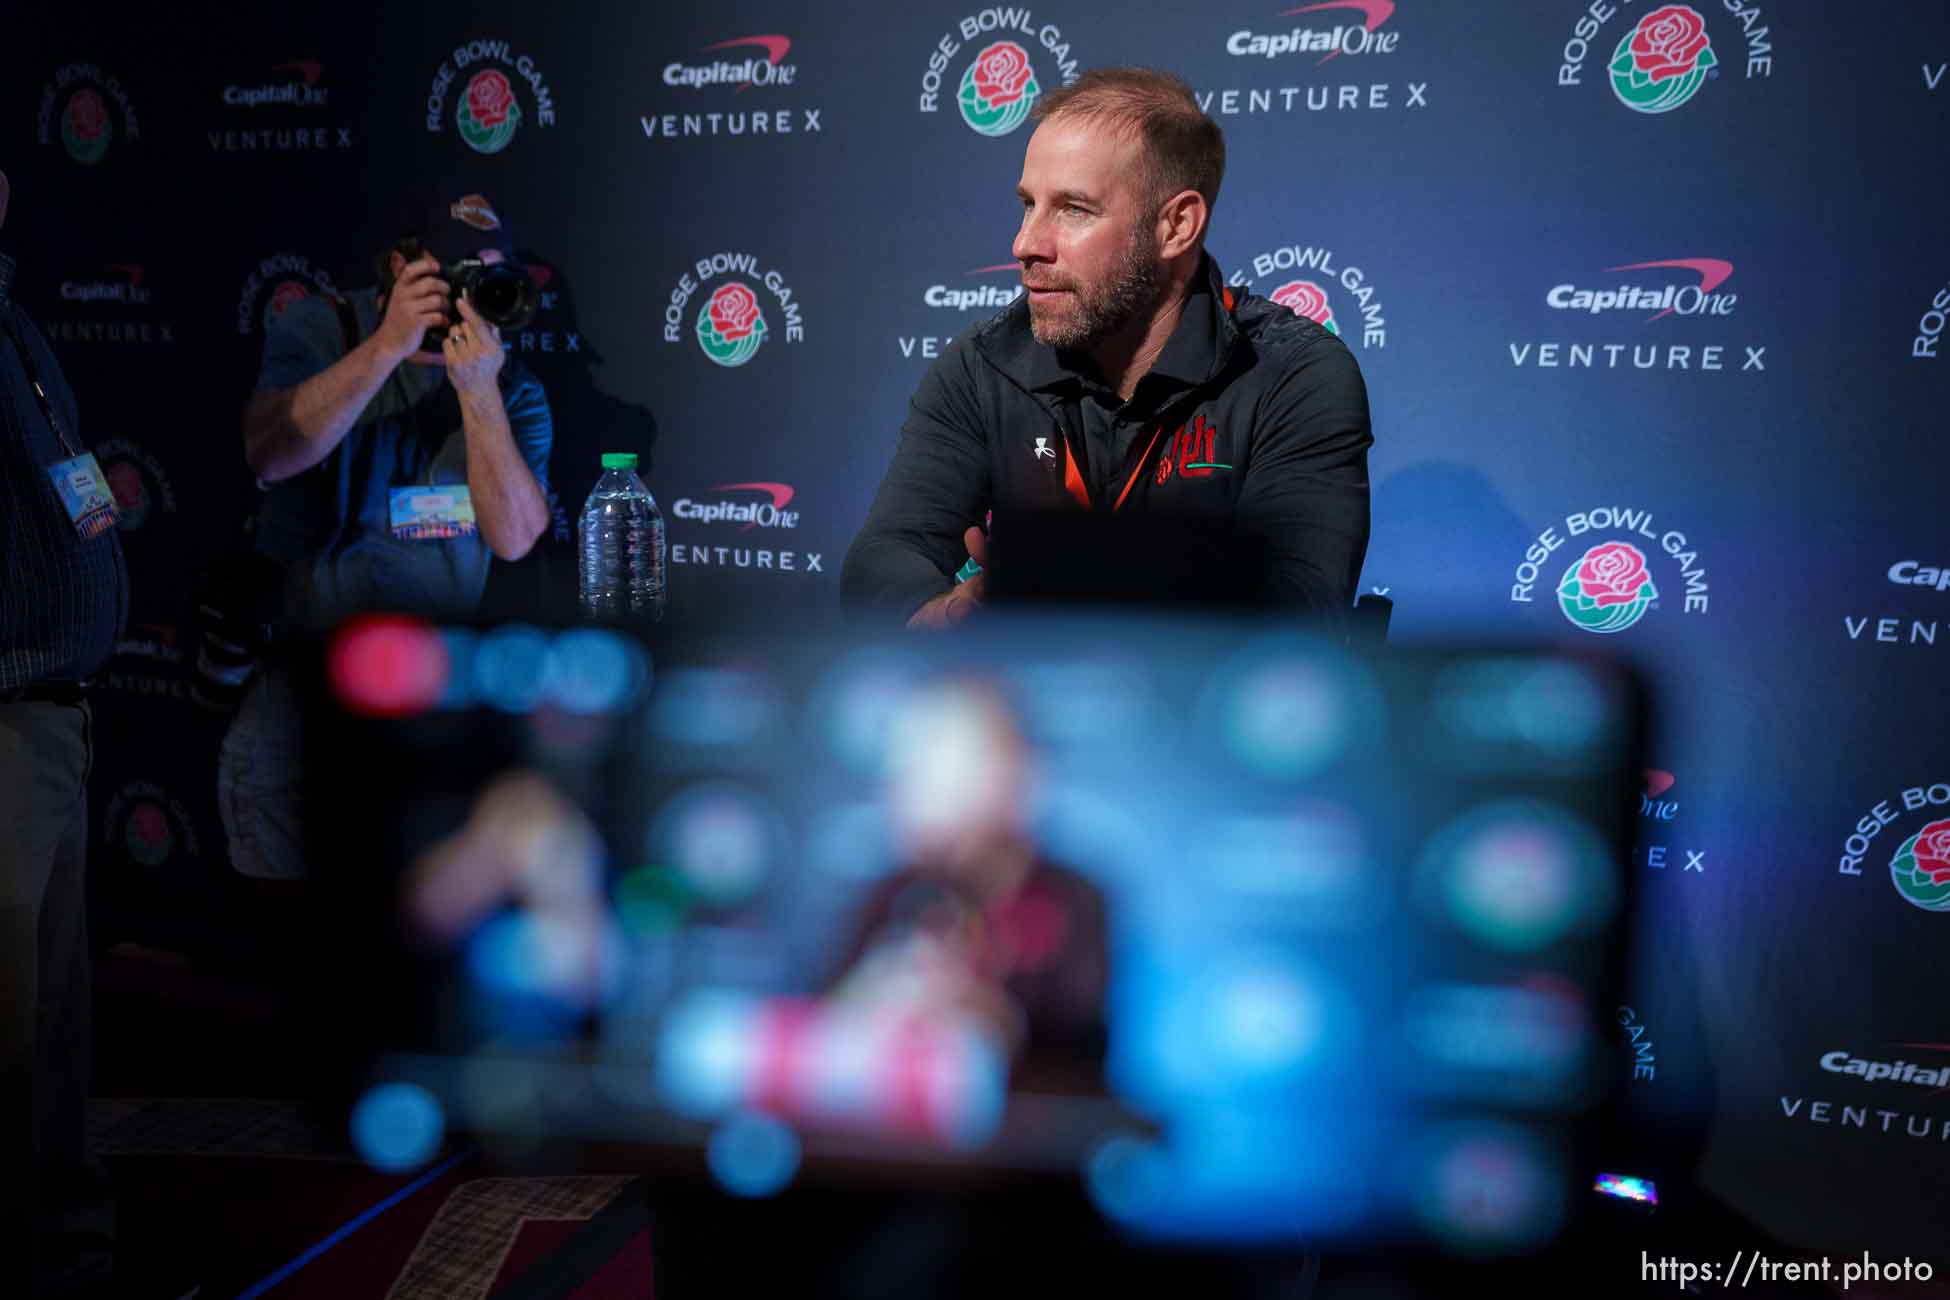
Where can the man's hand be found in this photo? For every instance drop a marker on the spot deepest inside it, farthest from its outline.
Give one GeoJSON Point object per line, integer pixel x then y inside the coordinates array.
{"type": "Point", "coordinates": [418, 302]}
{"type": "Point", "coordinates": [474, 353]}
{"type": "Point", "coordinates": [951, 607]}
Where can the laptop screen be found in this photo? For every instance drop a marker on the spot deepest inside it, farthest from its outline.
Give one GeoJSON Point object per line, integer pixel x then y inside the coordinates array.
{"type": "Point", "coordinates": [1243, 937]}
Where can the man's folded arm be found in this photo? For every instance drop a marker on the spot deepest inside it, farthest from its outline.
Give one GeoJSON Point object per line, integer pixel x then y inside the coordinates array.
{"type": "Point", "coordinates": [935, 489]}
{"type": "Point", "coordinates": [1305, 498]}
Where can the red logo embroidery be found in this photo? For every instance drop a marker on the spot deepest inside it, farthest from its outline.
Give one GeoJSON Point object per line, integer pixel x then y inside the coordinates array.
{"type": "Point", "coordinates": [1164, 468]}
{"type": "Point", "coordinates": [1194, 449]}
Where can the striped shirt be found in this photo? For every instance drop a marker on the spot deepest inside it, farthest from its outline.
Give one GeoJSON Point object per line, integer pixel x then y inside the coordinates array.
{"type": "Point", "coordinates": [62, 600]}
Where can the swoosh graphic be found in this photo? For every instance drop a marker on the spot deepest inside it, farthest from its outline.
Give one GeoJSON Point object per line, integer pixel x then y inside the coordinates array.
{"type": "Point", "coordinates": [1373, 14]}
{"type": "Point", "coordinates": [1712, 272]}
{"type": "Point", "coordinates": [311, 69]}
{"type": "Point", "coordinates": [779, 492]}
{"type": "Point", "coordinates": [774, 47]}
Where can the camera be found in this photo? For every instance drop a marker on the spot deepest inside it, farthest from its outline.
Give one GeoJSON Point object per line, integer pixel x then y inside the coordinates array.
{"type": "Point", "coordinates": [501, 291]}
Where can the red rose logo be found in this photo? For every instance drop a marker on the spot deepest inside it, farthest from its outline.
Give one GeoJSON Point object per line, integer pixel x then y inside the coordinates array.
{"type": "Point", "coordinates": [1612, 574]}
{"type": "Point", "coordinates": [489, 97]}
{"type": "Point", "coordinates": [1001, 72]}
{"type": "Point", "coordinates": [149, 825]}
{"type": "Point", "coordinates": [1932, 852]}
{"type": "Point", "coordinates": [125, 481]}
{"type": "Point", "coordinates": [1668, 42]}
{"type": "Point", "coordinates": [87, 115]}
{"type": "Point", "coordinates": [1304, 298]}
{"type": "Point", "coordinates": [288, 293]}
{"type": "Point", "coordinates": [734, 312]}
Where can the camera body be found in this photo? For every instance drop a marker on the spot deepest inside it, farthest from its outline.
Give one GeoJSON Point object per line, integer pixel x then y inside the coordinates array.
{"type": "Point", "coordinates": [501, 292]}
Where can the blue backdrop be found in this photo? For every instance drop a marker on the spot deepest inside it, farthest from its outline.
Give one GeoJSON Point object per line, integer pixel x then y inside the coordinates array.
{"type": "Point", "coordinates": [1650, 300]}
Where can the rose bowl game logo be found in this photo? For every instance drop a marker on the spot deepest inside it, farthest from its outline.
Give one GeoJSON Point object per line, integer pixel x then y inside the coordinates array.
{"type": "Point", "coordinates": [1305, 298]}
{"type": "Point", "coordinates": [488, 114]}
{"type": "Point", "coordinates": [147, 835]}
{"type": "Point", "coordinates": [1608, 589]}
{"type": "Point", "coordinates": [1920, 865]}
{"type": "Point", "coordinates": [999, 84]}
{"type": "Point", "coordinates": [733, 322]}
{"type": "Point", "coordinates": [288, 294]}
{"type": "Point", "coordinates": [279, 283]}
{"type": "Point", "coordinates": [1663, 61]}
{"type": "Point", "coordinates": [487, 110]}
{"type": "Point", "coordinates": [1929, 330]}
{"type": "Point", "coordinates": [998, 90]}
{"type": "Point", "coordinates": [150, 824]}
{"type": "Point", "coordinates": [85, 128]}
{"type": "Point", "coordinates": [137, 480]}
{"type": "Point", "coordinates": [1305, 278]}
{"type": "Point", "coordinates": [77, 106]}
{"type": "Point", "coordinates": [730, 325]}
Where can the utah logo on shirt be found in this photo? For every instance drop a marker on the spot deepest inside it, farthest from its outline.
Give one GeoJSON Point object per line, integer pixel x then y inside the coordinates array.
{"type": "Point", "coordinates": [1190, 452]}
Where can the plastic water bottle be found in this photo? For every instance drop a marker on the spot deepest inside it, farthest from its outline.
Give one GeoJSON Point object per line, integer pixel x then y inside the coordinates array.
{"type": "Point", "coordinates": [621, 538]}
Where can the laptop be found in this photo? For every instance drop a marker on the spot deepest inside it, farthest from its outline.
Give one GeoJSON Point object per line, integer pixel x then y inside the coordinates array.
{"type": "Point", "coordinates": [1136, 939]}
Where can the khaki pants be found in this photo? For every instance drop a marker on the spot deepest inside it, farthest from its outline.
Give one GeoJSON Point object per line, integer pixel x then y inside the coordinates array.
{"type": "Point", "coordinates": [260, 778]}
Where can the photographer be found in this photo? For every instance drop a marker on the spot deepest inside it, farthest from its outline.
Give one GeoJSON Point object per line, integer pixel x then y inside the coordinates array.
{"type": "Point", "coordinates": [387, 484]}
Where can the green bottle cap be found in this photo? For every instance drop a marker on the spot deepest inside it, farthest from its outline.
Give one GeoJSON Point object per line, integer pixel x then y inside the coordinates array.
{"type": "Point", "coordinates": [619, 460]}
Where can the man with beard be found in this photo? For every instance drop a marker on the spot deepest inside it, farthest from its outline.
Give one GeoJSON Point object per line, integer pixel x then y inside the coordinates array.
{"type": "Point", "coordinates": [1128, 377]}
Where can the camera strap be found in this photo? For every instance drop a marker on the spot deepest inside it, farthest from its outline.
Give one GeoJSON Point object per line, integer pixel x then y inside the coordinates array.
{"type": "Point", "coordinates": [348, 320]}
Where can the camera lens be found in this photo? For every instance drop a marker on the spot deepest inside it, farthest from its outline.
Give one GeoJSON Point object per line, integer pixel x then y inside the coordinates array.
{"type": "Point", "coordinates": [504, 295]}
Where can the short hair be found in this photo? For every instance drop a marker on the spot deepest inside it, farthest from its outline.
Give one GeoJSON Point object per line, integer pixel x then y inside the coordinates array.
{"type": "Point", "coordinates": [1184, 149]}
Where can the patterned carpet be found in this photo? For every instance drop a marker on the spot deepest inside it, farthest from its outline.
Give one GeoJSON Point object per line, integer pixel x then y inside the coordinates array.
{"type": "Point", "coordinates": [260, 1199]}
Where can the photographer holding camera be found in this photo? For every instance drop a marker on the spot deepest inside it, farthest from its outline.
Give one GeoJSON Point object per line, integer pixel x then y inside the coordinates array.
{"type": "Point", "coordinates": [387, 485]}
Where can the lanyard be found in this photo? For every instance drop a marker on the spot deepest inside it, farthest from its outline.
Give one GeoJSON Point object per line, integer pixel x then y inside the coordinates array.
{"type": "Point", "coordinates": [1080, 491]}
{"type": "Point", "coordinates": [34, 381]}
{"type": "Point", "coordinates": [1073, 477]}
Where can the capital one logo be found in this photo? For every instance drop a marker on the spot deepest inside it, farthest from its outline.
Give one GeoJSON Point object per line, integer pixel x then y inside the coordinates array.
{"type": "Point", "coordinates": [1672, 299]}
{"type": "Point", "coordinates": [1329, 44]}
{"type": "Point", "coordinates": [769, 70]}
